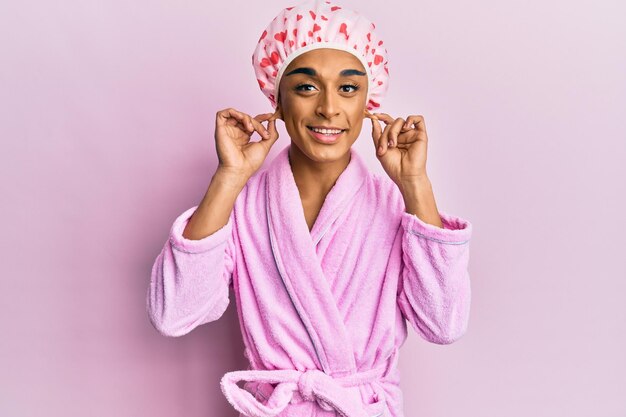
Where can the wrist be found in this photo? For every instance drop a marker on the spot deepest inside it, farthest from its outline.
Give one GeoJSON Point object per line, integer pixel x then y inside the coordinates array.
{"type": "Point", "coordinates": [413, 183]}
{"type": "Point", "coordinates": [228, 178]}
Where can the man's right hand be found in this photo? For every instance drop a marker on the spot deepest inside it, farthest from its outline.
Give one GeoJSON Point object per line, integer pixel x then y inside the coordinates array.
{"type": "Point", "coordinates": [239, 156]}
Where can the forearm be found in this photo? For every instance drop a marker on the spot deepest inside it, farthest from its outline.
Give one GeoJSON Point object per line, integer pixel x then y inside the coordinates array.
{"type": "Point", "coordinates": [419, 200]}
{"type": "Point", "coordinates": [215, 208]}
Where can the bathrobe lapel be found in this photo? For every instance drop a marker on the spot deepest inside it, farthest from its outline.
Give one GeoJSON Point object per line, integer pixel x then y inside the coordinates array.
{"type": "Point", "coordinates": [294, 249]}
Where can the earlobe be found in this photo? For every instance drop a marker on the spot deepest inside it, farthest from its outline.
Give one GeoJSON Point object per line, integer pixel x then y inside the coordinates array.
{"type": "Point", "coordinates": [278, 113]}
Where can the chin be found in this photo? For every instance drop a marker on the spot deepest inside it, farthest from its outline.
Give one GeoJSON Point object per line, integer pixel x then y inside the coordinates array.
{"type": "Point", "coordinates": [321, 152]}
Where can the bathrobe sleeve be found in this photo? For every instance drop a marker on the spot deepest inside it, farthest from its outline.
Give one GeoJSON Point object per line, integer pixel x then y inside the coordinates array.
{"type": "Point", "coordinates": [190, 279]}
{"type": "Point", "coordinates": [434, 289]}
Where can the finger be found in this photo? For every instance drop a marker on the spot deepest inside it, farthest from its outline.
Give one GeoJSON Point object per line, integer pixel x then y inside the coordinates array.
{"type": "Point", "coordinates": [263, 116]}
{"type": "Point", "coordinates": [273, 133]}
{"type": "Point", "coordinates": [260, 128]}
{"type": "Point", "coordinates": [369, 115]}
{"type": "Point", "coordinates": [376, 132]}
{"type": "Point", "coordinates": [416, 120]}
{"type": "Point", "coordinates": [248, 123]}
{"type": "Point", "coordinates": [383, 142]}
{"type": "Point", "coordinates": [233, 117]}
{"type": "Point", "coordinates": [408, 124]}
{"type": "Point", "coordinates": [235, 123]}
{"type": "Point", "coordinates": [385, 117]}
{"type": "Point", "coordinates": [396, 126]}
{"type": "Point", "coordinates": [420, 127]}
{"type": "Point", "coordinates": [277, 114]}
{"type": "Point", "coordinates": [244, 120]}
{"type": "Point", "coordinates": [224, 116]}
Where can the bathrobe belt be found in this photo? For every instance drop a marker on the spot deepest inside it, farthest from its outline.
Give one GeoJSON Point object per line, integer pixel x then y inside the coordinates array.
{"type": "Point", "coordinates": [331, 393]}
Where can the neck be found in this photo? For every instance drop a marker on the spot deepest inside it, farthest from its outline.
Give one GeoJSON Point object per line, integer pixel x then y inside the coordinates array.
{"type": "Point", "coordinates": [313, 178]}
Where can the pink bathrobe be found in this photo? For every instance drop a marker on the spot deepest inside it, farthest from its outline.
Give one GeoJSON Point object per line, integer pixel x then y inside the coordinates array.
{"type": "Point", "coordinates": [322, 313]}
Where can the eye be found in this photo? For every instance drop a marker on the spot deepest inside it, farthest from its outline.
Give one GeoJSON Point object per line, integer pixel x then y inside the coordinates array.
{"type": "Point", "coordinates": [354, 86]}
{"type": "Point", "coordinates": [301, 87]}
{"type": "Point", "coordinates": [351, 88]}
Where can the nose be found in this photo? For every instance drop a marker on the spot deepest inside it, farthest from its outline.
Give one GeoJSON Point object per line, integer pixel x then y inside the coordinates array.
{"type": "Point", "coordinates": [327, 106]}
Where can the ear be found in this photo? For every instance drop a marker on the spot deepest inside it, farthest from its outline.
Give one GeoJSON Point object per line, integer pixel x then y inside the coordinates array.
{"type": "Point", "coordinates": [278, 113]}
{"type": "Point", "coordinates": [366, 113]}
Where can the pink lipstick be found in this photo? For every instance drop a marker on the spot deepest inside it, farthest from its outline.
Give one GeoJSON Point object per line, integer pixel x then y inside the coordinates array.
{"type": "Point", "coordinates": [324, 138]}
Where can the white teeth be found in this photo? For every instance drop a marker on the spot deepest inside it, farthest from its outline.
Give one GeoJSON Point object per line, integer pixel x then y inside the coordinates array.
{"type": "Point", "coordinates": [326, 131]}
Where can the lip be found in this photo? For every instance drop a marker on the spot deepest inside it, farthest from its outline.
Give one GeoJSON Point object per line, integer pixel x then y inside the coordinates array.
{"type": "Point", "coordinates": [327, 127]}
{"type": "Point", "coordinates": [324, 138]}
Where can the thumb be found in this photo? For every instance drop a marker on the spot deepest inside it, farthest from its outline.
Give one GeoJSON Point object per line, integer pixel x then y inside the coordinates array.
{"type": "Point", "coordinates": [376, 130]}
{"type": "Point", "coordinates": [278, 114]}
{"type": "Point", "coordinates": [273, 137]}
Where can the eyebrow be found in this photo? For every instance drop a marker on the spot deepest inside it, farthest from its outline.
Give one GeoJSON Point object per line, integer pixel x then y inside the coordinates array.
{"type": "Point", "coordinates": [311, 72]}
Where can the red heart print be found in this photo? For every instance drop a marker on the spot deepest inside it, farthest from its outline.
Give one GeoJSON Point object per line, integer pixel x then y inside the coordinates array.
{"type": "Point", "coordinates": [265, 62]}
{"type": "Point", "coordinates": [298, 17]}
{"type": "Point", "coordinates": [261, 83]}
{"type": "Point", "coordinates": [378, 59]}
{"type": "Point", "coordinates": [312, 14]}
{"type": "Point", "coordinates": [316, 27]}
{"type": "Point", "coordinates": [281, 36]}
{"type": "Point", "coordinates": [291, 42]}
{"type": "Point", "coordinates": [332, 9]}
{"type": "Point", "coordinates": [344, 29]}
{"type": "Point", "coordinates": [274, 57]}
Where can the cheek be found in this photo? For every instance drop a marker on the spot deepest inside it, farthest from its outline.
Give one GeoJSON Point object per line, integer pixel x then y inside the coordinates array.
{"type": "Point", "coordinates": [357, 127]}
{"type": "Point", "coordinates": [290, 105]}
{"type": "Point", "coordinates": [357, 114]}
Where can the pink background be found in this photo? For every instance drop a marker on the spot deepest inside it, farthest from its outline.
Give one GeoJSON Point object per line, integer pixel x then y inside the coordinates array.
{"type": "Point", "coordinates": [107, 113]}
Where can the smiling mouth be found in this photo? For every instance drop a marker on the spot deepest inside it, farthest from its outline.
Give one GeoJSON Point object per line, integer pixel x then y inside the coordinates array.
{"type": "Point", "coordinates": [326, 132]}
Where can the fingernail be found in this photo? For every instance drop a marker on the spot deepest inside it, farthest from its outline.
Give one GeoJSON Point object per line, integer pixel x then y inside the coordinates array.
{"type": "Point", "coordinates": [380, 149]}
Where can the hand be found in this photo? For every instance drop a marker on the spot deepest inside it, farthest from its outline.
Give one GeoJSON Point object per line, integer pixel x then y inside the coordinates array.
{"type": "Point", "coordinates": [404, 147]}
{"type": "Point", "coordinates": [236, 153]}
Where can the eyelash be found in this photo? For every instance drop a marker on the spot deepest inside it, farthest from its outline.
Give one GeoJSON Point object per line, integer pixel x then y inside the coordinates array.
{"type": "Point", "coordinates": [356, 87]}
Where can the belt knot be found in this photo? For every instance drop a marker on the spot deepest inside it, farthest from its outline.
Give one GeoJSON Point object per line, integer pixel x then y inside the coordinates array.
{"type": "Point", "coordinates": [307, 383]}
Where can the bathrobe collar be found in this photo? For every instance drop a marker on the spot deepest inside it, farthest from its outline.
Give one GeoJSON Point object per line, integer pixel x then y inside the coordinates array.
{"type": "Point", "coordinates": [294, 249]}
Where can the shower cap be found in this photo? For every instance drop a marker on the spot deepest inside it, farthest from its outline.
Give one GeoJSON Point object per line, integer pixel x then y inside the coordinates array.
{"type": "Point", "coordinates": [317, 24]}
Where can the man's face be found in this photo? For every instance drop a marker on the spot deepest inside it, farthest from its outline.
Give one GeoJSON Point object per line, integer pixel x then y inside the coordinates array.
{"type": "Point", "coordinates": [323, 88]}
